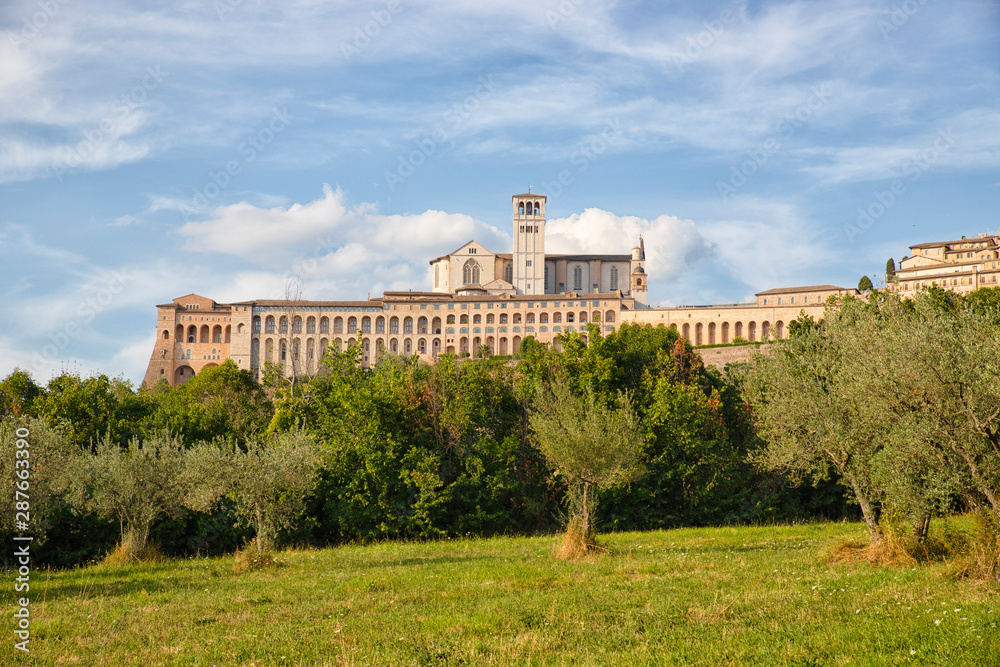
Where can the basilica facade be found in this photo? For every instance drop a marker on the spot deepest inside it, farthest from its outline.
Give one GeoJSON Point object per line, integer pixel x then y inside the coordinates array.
{"type": "Point", "coordinates": [478, 298]}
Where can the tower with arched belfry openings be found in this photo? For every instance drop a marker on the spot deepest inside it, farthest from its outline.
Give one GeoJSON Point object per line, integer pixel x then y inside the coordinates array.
{"type": "Point", "coordinates": [529, 243]}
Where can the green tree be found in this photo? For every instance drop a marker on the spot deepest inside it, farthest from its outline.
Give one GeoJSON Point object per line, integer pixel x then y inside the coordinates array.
{"type": "Point", "coordinates": [93, 408]}
{"type": "Point", "coordinates": [890, 269]}
{"type": "Point", "coordinates": [802, 325]}
{"type": "Point", "coordinates": [269, 481]}
{"type": "Point", "coordinates": [34, 465]}
{"type": "Point", "coordinates": [135, 485]}
{"type": "Point", "coordinates": [18, 393]}
{"type": "Point", "coordinates": [588, 444]}
{"type": "Point", "coordinates": [220, 402]}
{"type": "Point", "coordinates": [807, 416]}
{"type": "Point", "coordinates": [865, 284]}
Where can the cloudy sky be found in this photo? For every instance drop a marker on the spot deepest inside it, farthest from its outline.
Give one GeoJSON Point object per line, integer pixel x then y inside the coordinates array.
{"type": "Point", "coordinates": [220, 146]}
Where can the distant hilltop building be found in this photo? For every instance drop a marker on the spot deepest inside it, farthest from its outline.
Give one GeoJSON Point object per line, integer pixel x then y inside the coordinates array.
{"type": "Point", "coordinates": [961, 266]}
{"type": "Point", "coordinates": [478, 298]}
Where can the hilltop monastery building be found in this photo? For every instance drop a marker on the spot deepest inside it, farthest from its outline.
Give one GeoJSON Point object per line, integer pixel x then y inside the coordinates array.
{"type": "Point", "coordinates": [478, 298]}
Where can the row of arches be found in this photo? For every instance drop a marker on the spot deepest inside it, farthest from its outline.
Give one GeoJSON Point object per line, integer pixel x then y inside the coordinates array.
{"type": "Point", "coordinates": [304, 355]}
{"type": "Point", "coordinates": [380, 324]}
{"type": "Point", "coordinates": [714, 333]}
{"type": "Point", "coordinates": [526, 208]}
{"type": "Point", "coordinates": [205, 334]}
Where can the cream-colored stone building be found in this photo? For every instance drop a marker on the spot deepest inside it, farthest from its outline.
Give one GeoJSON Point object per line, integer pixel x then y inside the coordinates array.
{"type": "Point", "coordinates": [962, 266]}
{"type": "Point", "coordinates": [478, 298]}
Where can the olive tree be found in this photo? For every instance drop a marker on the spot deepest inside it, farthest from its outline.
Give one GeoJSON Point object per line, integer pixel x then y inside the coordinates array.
{"type": "Point", "coordinates": [588, 444]}
{"type": "Point", "coordinates": [33, 461]}
{"type": "Point", "coordinates": [807, 416]}
{"type": "Point", "coordinates": [134, 485]}
{"type": "Point", "coordinates": [269, 481]}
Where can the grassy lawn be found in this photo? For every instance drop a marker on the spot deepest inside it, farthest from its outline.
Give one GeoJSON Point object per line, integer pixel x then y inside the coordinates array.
{"type": "Point", "coordinates": [729, 596]}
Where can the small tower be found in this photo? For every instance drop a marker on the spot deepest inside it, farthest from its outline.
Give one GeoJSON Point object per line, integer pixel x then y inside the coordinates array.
{"type": "Point", "coordinates": [529, 243]}
{"type": "Point", "coordinates": [639, 281]}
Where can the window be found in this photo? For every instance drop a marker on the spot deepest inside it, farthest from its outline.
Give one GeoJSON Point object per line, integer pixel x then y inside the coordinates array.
{"type": "Point", "coordinates": [470, 272]}
{"type": "Point", "coordinates": [546, 279]}
{"type": "Point", "coordinates": [577, 277]}
{"type": "Point", "coordinates": [437, 274]}
{"type": "Point", "coordinates": [508, 273]}
{"type": "Point", "coordinates": [614, 278]}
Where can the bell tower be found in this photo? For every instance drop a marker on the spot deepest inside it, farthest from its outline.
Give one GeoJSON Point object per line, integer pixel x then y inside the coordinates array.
{"type": "Point", "coordinates": [529, 243]}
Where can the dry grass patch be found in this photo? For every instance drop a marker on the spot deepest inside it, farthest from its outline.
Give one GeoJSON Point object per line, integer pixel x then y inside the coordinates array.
{"type": "Point", "coordinates": [249, 559]}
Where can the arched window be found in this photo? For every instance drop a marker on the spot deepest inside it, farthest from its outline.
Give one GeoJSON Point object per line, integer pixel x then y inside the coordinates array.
{"type": "Point", "coordinates": [256, 324]}
{"type": "Point", "coordinates": [508, 273]}
{"type": "Point", "coordinates": [537, 208]}
{"type": "Point", "coordinates": [297, 325]}
{"type": "Point", "coordinates": [470, 272]}
{"type": "Point", "coordinates": [166, 335]}
{"type": "Point", "coordinates": [269, 325]}
{"type": "Point", "coordinates": [192, 334]}
{"type": "Point", "coordinates": [614, 278]}
{"type": "Point", "coordinates": [578, 277]}
{"type": "Point", "coordinates": [520, 208]}
{"type": "Point", "coordinates": [283, 324]}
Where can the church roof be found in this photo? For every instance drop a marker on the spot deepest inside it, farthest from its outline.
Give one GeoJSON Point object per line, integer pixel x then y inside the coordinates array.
{"type": "Point", "coordinates": [805, 288]}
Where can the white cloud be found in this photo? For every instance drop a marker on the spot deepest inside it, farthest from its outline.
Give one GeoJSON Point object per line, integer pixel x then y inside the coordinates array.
{"type": "Point", "coordinates": [672, 244]}
{"type": "Point", "coordinates": [768, 244]}
{"type": "Point", "coordinates": [338, 239]}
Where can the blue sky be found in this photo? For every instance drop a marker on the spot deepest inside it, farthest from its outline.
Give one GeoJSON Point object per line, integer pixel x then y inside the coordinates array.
{"type": "Point", "coordinates": [220, 147]}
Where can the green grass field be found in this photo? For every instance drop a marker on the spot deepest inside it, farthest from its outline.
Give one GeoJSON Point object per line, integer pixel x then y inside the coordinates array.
{"type": "Point", "coordinates": [720, 596]}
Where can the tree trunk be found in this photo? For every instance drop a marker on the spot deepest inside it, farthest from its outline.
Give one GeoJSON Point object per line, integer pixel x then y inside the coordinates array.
{"type": "Point", "coordinates": [866, 510]}
{"type": "Point", "coordinates": [260, 529]}
{"type": "Point", "coordinates": [980, 482]}
{"type": "Point", "coordinates": [922, 527]}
